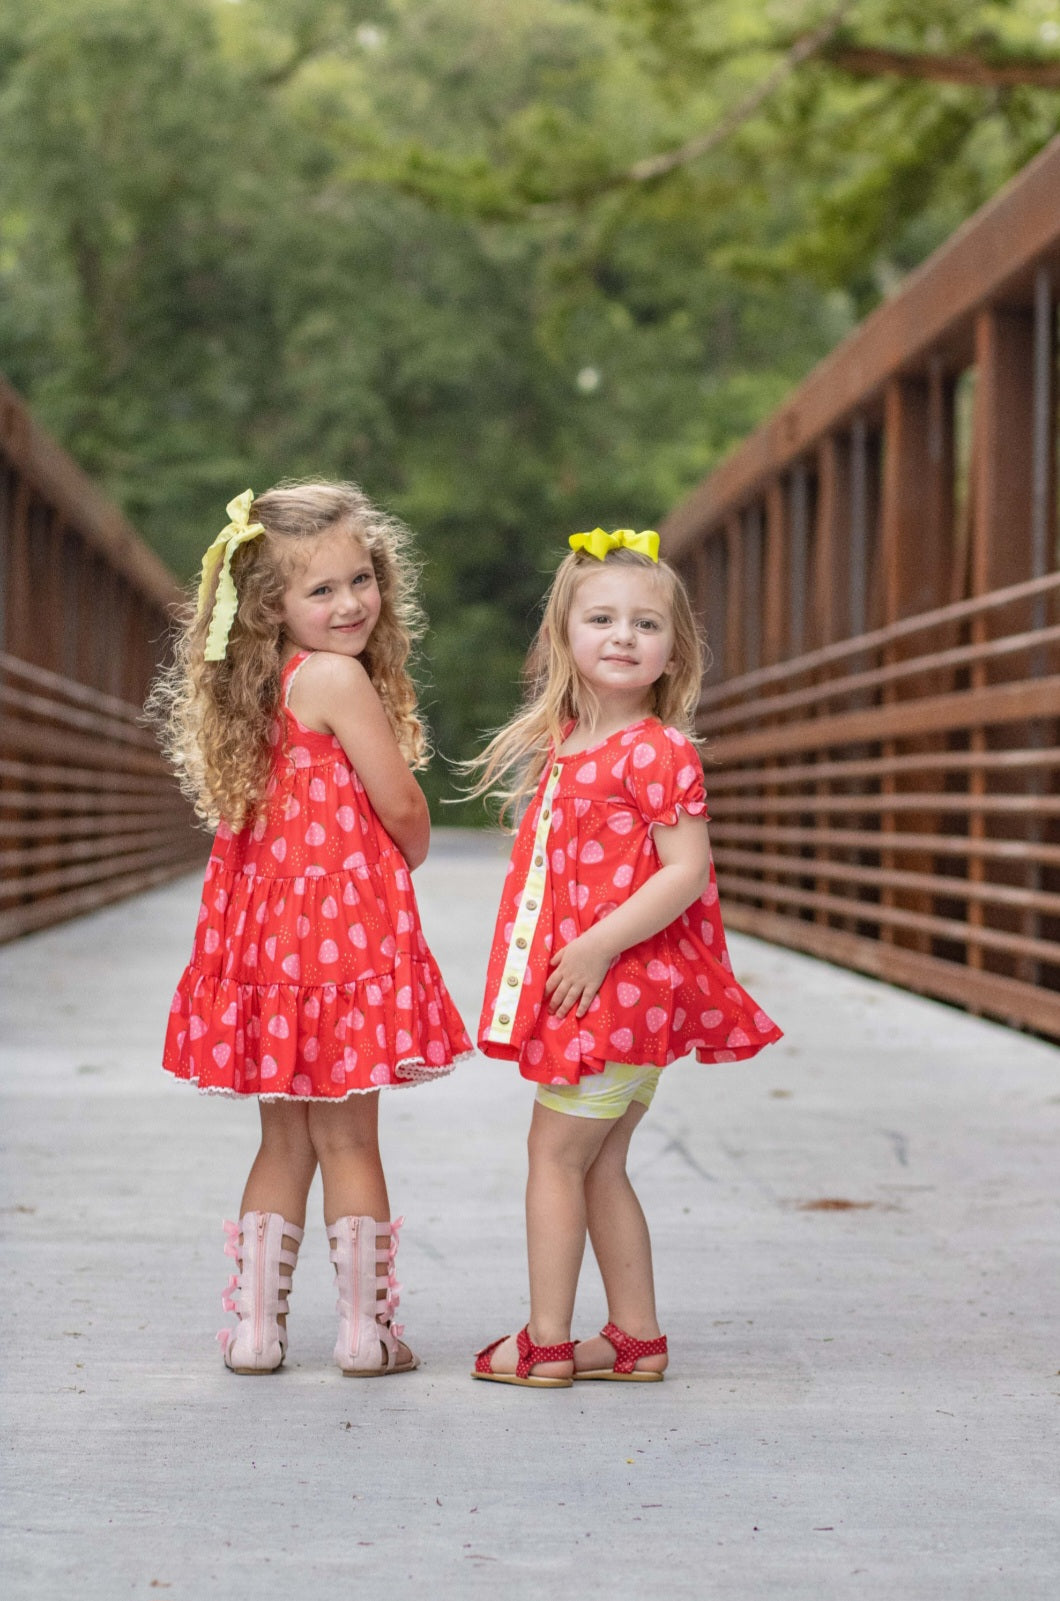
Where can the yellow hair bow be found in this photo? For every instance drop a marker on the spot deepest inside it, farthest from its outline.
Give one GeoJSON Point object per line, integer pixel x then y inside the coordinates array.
{"type": "Point", "coordinates": [598, 542]}
{"type": "Point", "coordinates": [219, 555]}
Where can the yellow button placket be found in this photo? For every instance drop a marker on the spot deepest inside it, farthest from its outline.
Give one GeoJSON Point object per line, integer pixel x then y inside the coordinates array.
{"type": "Point", "coordinates": [515, 963]}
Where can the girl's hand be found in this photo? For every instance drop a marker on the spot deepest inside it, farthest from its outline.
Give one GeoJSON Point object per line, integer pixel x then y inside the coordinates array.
{"type": "Point", "coordinates": [682, 876]}
{"type": "Point", "coordinates": [578, 971]}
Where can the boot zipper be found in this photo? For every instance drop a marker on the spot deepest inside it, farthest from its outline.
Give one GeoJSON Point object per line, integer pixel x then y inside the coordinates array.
{"type": "Point", "coordinates": [259, 1289]}
{"type": "Point", "coordinates": [355, 1311]}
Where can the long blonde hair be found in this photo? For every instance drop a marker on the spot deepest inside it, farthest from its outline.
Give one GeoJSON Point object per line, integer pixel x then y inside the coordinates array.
{"type": "Point", "coordinates": [554, 694]}
{"type": "Point", "coordinates": [214, 718]}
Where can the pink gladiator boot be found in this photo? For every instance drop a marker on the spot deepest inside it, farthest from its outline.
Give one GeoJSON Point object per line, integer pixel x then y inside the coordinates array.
{"type": "Point", "coordinates": [258, 1292]}
{"type": "Point", "coordinates": [368, 1344]}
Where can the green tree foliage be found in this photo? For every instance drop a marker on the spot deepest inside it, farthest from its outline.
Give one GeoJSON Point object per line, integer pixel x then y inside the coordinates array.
{"type": "Point", "coordinates": [420, 243]}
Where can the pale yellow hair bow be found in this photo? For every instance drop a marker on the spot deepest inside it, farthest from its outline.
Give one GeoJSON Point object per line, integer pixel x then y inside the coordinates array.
{"type": "Point", "coordinates": [220, 554]}
{"type": "Point", "coordinates": [598, 542]}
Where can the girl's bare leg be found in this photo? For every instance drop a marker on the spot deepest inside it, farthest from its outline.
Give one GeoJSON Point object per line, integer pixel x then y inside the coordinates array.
{"type": "Point", "coordinates": [283, 1169]}
{"type": "Point", "coordinates": [562, 1150]}
{"type": "Point", "coordinates": [345, 1137]}
{"type": "Point", "coordinates": [622, 1246]}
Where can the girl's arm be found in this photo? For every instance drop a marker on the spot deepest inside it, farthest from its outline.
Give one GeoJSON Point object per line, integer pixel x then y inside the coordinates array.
{"type": "Point", "coordinates": [684, 856]}
{"type": "Point", "coordinates": [334, 695]}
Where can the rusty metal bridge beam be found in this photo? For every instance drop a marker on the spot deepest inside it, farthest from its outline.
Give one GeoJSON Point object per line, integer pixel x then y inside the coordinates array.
{"type": "Point", "coordinates": [84, 620]}
{"type": "Point", "coordinates": [912, 471]}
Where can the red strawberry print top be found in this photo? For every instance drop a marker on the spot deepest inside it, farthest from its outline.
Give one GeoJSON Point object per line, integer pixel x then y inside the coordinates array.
{"type": "Point", "coordinates": [585, 845]}
{"type": "Point", "coordinates": [309, 974]}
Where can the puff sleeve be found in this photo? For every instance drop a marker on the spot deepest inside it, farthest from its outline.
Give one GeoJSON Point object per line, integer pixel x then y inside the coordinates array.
{"type": "Point", "coordinates": [664, 776]}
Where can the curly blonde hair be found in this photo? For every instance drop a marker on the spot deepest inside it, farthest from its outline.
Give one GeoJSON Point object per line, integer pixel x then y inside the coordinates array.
{"type": "Point", "coordinates": [214, 717]}
{"type": "Point", "coordinates": [555, 694]}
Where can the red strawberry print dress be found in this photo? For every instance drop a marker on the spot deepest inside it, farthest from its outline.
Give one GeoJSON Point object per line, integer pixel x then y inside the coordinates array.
{"type": "Point", "coordinates": [310, 977]}
{"type": "Point", "coordinates": [585, 845]}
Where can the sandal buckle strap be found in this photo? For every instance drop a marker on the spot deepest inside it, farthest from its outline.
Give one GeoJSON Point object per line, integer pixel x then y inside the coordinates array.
{"type": "Point", "coordinates": [530, 1354]}
{"type": "Point", "coordinates": [628, 1350]}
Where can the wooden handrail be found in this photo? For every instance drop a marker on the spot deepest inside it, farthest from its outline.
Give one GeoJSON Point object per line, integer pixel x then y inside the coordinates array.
{"type": "Point", "coordinates": [989, 261]}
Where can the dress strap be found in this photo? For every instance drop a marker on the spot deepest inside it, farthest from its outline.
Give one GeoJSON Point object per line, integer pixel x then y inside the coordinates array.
{"type": "Point", "coordinates": [287, 677]}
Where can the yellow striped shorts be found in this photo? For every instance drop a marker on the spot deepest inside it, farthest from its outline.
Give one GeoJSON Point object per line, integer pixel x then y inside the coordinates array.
{"type": "Point", "coordinates": [605, 1095]}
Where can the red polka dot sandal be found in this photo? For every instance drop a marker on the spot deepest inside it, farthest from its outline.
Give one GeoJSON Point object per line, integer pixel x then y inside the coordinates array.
{"type": "Point", "coordinates": [529, 1356]}
{"type": "Point", "coordinates": [628, 1351]}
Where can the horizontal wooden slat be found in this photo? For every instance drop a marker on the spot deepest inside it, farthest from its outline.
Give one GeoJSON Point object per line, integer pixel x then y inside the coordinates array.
{"type": "Point", "coordinates": [99, 778]}
{"type": "Point", "coordinates": [56, 711]}
{"type": "Point", "coordinates": [957, 802]}
{"type": "Point", "coordinates": [166, 818]}
{"type": "Point", "coordinates": [49, 883]}
{"type": "Point", "coordinates": [958, 762]}
{"type": "Point", "coordinates": [1012, 1000]}
{"type": "Point", "coordinates": [55, 744]}
{"type": "Point", "coordinates": [948, 928]}
{"type": "Point", "coordinates": [98, 848]}
{"type": "Point", "coordinates": [84, 801]}
{"type": "Point", "coordinates": [20, 920]}
{"type": "Point", "coordinates": [862, 646]}
{"type": "Point", "coordinates": [981, 708]}
{"type": "Point", "coordinates": [760, 710]}
{"type": "Point", "coordinates": [1017, 852]}
{"type": "Point", "coordinates": [62, 688]}
{"type": "Point", "coordinates": [877, 878]}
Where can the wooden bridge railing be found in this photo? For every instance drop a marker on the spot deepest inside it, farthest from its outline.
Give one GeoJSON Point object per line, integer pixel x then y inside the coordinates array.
{"type": "Point", "coordinates": [877, 571]}
{"type": "Point", "coordinates": [88, 812]}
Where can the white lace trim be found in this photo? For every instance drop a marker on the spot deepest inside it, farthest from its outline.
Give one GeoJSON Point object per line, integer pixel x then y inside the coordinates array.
{"type": "Point", "coordinates": [422, 1074]}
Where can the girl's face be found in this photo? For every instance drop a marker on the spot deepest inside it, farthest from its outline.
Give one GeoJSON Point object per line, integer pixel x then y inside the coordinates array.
{"type": "Point", "coordinates": [620, 633]}
{"type": "Point", "coordinates": [333, 602]}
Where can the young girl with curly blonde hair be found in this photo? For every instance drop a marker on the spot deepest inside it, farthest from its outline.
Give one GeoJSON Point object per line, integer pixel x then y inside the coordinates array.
{"type": "Point", "coordinates": [290, 718]}
{"type": "Point", "coordinates": [609, 958]}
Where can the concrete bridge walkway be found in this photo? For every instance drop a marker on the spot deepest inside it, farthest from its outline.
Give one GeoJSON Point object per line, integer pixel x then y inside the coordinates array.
{"type": "Point", "coordinates": [856, 1243]}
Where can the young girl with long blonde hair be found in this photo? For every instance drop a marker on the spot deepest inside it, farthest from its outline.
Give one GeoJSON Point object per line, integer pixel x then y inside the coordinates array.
{"type": "Point", "coordinates": [290, 718]}
{"type": "Point", "coordinates": [609, 959]}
